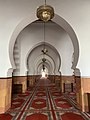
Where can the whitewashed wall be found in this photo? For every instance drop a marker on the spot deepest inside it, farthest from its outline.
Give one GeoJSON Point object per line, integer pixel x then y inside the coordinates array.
{"type": "Point", "coordinates": [76, 13]}
{"type": "Point", "coordinates": [55, 36]}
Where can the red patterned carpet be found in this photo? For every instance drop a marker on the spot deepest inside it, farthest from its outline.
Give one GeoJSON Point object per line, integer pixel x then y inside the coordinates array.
{"type": "Point", "coordinates": [44, 102]}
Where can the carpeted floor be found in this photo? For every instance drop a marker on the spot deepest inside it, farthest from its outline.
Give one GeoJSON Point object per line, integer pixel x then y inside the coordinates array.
{"type": "Point", "coordinates": [44, 102]}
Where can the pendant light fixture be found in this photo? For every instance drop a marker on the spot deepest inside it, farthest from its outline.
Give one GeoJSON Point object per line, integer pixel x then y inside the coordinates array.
{"type": "Point", "coordinates": [45, 12]}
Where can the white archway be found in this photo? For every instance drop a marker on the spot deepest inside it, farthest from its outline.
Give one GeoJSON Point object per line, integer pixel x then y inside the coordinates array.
{"type": "Point", "coordinates": [58, 20]}
{"type": "Point", "coordinates": [47, 56]}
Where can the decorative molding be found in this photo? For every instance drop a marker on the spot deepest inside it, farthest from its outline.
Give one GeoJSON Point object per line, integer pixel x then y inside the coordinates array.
{"type": "Point", "coordinates": [85, 76]}
{"type": "Point", "coordinates": [5, 78]}
{"type": "Point", "coordinates": [19, 76]}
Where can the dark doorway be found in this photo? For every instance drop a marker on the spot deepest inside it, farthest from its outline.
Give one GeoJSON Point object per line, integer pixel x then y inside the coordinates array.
{"type": "Point", "coordinates": [88, 102]}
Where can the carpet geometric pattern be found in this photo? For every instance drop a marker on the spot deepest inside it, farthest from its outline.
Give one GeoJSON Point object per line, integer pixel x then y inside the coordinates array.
{"type": "Point", "coordinates": [44, 102]}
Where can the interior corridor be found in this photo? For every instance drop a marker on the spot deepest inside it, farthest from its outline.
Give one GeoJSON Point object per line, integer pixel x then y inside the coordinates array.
{"type": "Point", "coordinates": [44, 101]}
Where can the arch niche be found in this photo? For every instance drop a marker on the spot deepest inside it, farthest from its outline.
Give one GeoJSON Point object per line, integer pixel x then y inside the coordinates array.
{"type": "Point", "coordinates": [55, 68]}
{"type": "Point", "coordinates": [59, 21]}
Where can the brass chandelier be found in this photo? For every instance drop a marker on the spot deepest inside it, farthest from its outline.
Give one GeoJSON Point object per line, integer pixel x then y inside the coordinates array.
{"type": "Point", "coordinates": [45, 12]}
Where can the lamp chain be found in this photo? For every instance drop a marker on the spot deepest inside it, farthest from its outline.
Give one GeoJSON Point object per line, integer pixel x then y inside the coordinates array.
{"type": "Point", "coordinates": [45, 2]}
{"type": "Point", "coordinates": [44, 35]}
{"type": "Point", "coordinates": [44, 41]}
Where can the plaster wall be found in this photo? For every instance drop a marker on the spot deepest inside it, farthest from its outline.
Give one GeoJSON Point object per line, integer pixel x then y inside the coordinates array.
{"type": "Point", "coordinates": [76, 13]}
{"type": "Point", "coordinates": [55, 36]}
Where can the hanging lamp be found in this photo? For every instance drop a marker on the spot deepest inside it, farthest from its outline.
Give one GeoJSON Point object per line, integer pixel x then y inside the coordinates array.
{"type": "Point", "coordinates": [45, 12]}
